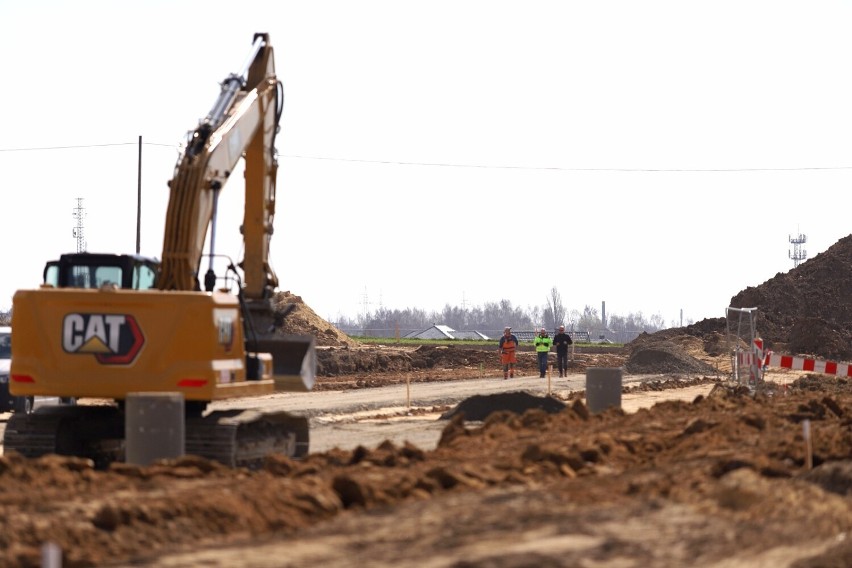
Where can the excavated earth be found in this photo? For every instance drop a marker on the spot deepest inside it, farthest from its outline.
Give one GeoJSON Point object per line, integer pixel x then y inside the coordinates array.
{"type": "Point", "coordinates": [733, 477]}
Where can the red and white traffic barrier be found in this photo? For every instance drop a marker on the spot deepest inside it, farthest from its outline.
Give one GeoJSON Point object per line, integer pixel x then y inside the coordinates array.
{"type": "Point", "coordinates": [757, 359]}
{"type": "Point", "coordinates": [750, 363]}
{"type": "Point", "coordinates": [808, 364]}
{"type": "Point", "coordinates": [753, 357]}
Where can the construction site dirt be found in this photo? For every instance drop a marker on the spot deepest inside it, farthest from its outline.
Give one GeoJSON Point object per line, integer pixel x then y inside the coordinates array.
{"type": "Point", "coordinates": [705, 472]}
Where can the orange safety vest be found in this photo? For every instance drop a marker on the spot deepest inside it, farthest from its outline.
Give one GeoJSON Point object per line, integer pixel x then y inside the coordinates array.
{"type": "Point", "coordinates": [508, 346]}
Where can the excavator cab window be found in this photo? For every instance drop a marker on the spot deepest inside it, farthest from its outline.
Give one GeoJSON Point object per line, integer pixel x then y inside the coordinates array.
{"type": "Point", "coordinates": [51, 273]}
{"type": "Point", "coordinates": [89, 270]}
{"type": "Point", "coordinates": [107, 275]}
{"type": "Point", "coordinates": [144, 277]}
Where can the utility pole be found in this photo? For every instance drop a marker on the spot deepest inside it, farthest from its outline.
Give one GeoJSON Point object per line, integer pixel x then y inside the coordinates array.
{"type": "Point", "coordinates": [139, 200]}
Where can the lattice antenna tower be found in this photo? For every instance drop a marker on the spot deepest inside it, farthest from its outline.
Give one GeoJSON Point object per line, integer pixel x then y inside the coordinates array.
{"type": "Point", "coordinates": [79, 233]}
{"type": "Point", "coordinates": [798, 254]}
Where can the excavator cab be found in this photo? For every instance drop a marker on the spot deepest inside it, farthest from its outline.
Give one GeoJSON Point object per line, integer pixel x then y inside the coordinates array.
{"type": "Point", "coordinates": [94, 270]}
{"type": "Point", "coordinates": [107, 325]}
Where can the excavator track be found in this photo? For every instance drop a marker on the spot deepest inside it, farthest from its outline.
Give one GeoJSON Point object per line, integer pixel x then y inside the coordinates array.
{"type": "Point", "coordinates": [31, 435]}
{"type": "Point", "coordinates": [242, 438]}
{"type": "Point", "coordinates": [236, 438]}
{"type": "Point", "coordinates": [94, 432]}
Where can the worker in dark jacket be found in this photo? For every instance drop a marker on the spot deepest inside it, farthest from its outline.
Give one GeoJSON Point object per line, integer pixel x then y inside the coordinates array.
{"type": "Point", "coordinates": [542, 350]}
{"type": "Point", "coordinates": [562, 340]}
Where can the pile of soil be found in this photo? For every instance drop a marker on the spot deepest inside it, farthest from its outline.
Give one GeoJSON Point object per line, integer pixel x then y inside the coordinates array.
{"type": "Point", "coordinates": [657, 355]}
{"type": "Point", "coordinates": [726, 476]}
{"type": "Point", "coordinates": [480, 407]}
{"type": "Point", "coordinates": [300, 319]}
{"type": "Point", "coordinates": [808, 310]}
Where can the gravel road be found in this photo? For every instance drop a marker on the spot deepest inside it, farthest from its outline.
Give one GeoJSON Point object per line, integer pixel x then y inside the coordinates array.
{"type": "Point", "coordinates": [399, 413]}
{"type": "Point", "coordinates": [367, 417]}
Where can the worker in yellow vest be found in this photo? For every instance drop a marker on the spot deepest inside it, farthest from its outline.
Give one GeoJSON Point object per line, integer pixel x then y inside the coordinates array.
{"type": "Point", "coordinates": [542, 349]}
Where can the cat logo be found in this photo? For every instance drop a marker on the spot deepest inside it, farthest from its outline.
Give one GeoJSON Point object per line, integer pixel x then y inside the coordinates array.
{"type": "Point", "coordinates": [113, 339]}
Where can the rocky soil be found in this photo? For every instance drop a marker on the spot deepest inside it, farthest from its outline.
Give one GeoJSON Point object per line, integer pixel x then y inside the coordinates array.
{"type": "Point", "coordinates": [738, 477]}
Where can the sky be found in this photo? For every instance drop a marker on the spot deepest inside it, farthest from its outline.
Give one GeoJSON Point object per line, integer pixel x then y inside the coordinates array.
{"type": "Point", "coordinates": [654, 156]}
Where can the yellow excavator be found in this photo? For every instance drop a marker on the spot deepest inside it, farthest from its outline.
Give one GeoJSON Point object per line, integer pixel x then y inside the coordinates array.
{"type": "Point", "coordinates": [104, 326]}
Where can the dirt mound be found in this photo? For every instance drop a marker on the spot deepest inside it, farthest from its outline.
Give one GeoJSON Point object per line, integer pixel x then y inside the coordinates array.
{"type": "Point", "coordinates": [662, 353]}
{"type": "Point", "coordinates": [452, 356]}
{"type": "Point", "coordinates": [300, 319]}
{"type": "Point", "coordinates": [819, 337]}
{"type": "Point", "coordinates": [809, 309]}
{"type": "Point", "coordinates": [367, 359]}
{"type": "Point", "coordinates": [834, 477]}
{"type": "Point", "coordinates": [666, 384]}
{"type": "Point", "coordinates": [480, 407]}
{"type": "Point", "coordinates": [375, 365]}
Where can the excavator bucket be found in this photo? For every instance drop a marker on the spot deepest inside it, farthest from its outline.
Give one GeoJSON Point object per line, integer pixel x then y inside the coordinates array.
{"type": "Point", "coordinates": [294, 361]}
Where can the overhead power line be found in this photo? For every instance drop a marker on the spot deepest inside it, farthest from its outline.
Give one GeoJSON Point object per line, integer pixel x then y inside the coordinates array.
{"type": "Point", "coordinates": [563, 169]}
{"type": "Point", "coordinates": [455, 165]}
{"type": "Point", "coordinates": [83, 146]}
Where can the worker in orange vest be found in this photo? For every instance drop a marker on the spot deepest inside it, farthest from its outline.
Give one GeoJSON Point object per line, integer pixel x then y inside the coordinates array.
{"type": "Point", "coordinates": [508, 353]}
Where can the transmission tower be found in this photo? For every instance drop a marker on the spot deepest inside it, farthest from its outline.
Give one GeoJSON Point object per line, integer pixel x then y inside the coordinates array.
{"type": "Point", "coordinates": [798, 254]}
{"type": "Point", "coordinates": [365, 301]}
{"type": "Point", "coordinates": [79, 214]}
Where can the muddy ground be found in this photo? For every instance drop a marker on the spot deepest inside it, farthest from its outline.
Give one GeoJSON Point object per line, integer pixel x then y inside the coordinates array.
{"type": "Point", "coordinates": [727, 479]}
{"type": "Point", "coordinates": [739, 477]}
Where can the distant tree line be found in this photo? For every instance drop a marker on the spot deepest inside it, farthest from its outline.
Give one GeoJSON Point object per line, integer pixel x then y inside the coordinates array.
{"type": "Point", "coordinates": [491, 317]}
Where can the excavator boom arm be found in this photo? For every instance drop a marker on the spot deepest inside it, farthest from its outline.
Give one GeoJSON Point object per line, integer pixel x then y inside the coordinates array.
{"type": "Point", "coordinates": [242, 123]}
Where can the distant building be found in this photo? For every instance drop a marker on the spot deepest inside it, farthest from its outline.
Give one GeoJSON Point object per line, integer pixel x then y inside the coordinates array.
{"type": "Point", "coordinates": [438, 331]}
